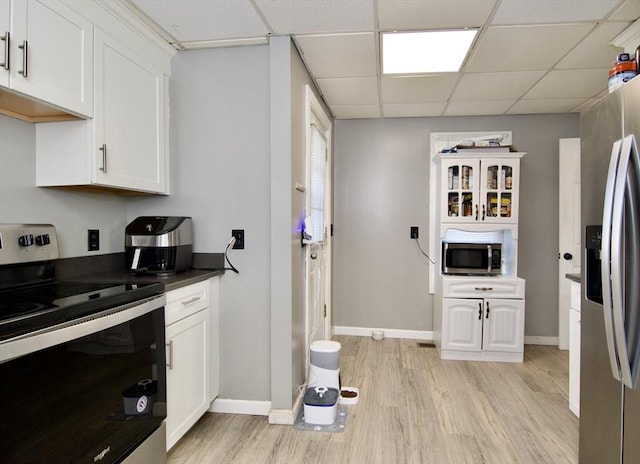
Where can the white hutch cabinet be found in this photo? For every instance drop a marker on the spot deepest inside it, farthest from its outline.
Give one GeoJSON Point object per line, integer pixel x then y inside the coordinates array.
{"type": "Point", "coordinates": [480, 317]}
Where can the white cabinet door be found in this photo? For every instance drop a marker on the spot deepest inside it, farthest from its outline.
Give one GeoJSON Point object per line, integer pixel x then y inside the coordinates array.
{"type": "Point", "coordinates": [503, 325]}
{"type": "Point", "coordinates": [499, 188]}
{"type": "Point", "coordinates": [462, 324]}
{"type": "Point", "coordinates": [130, 119]}
{"type": "Point", "coordinates": [5, 35]}
{"type": "Point", "coordinates": [459, 196]}
{"type": "Point", "coordinates": [188, 375]}
{"type": "Point", "coordinates": [51, 54]}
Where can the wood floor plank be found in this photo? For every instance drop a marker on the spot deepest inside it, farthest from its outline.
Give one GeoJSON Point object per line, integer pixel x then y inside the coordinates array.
{"type": "Point", "coordinates": [414, 408]}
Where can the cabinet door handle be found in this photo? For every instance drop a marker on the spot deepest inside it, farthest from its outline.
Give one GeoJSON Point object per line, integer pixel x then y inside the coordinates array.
{"type": "Point", "coordinates": [7, 40]}
{"type": "Point", "coordinates": [479, 311]}
{"type": "Point", "coordinates": [483, 212]}
{"type": "Point", "coordinates": [488, 310]}
{"type": "Point", "coordinates": [484, 289]}
{"type": "Point", "coordinates": [103, 149]}
{"type": "Point", "coordinates": [25, 59]}
{"type": "Point", "coordinates": [192, 300]}
{"type": "Point", "coordinates": [170, 355]}
{"type": "Point", "coordinates": [476, 212]}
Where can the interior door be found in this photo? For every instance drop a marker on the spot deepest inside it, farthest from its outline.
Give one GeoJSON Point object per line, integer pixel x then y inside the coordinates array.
{"type": "Point", "coordinates": [316, 236]}
{"type": "Point", "coordinates": [569, 252]}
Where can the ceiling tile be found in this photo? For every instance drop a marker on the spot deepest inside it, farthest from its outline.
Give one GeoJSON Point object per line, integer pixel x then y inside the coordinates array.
{"type": "Point", "coordinates": [570, 83]}
{"type": "Point", "coordinates": [557, 105]}
{"type": "Point", "coordinates": [594, 51]}
{"type": "Point", "coordinates": [495, 86]}
{"type": "Point", "coordinates": [339, 55]}
{"type": "Point", "coordinates": [222, 19]}
{"type": "Point", "coordinates": [418, 89]}
{"type": "Point", "coordinates": [411, 110]}
{"type": "Point", "coordinates": [478, 108]}
{"type": "Point", "coordinates": [628, 9]}
{"type": "Point", "coordinates": [524, 48]}
{"type": "Point", "coordinates": [552, 11]}
{"type": "Point", "coordinates": [430, 14]}
{"type": "Point", "coordinates": [351, 91]}
{"type": "Point", "coordinates": [356, 111]}
{"type": "Point", "coordinates": [318, 16]}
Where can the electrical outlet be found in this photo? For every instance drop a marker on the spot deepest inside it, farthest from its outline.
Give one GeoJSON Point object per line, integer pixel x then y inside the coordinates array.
{"type": "Point", "coordinates": [239, 235]}
{"type": "Point", "coordinates": [93, 239]}
{"type": "Point", "coordinates": [414, 232]}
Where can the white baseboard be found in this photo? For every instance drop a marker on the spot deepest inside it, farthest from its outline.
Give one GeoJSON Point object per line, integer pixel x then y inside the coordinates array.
{"type": "Point", "coordinates": [254, 408]}
{"type": "Point", "coordinates": [535, 340]}
{"type": "Point", "coordinates": [425, 335]}
{"type": "Point", "coordinates": [389, 333]}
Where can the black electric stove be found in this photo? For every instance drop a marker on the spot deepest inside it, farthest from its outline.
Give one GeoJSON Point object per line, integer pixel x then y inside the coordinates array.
{"type": "Point", "coordinates": [31, 298]}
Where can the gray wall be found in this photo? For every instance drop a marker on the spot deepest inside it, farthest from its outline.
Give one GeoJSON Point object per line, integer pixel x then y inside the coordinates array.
{"type": "Point", "coordinates": [381, 174]}
{"type": "Point", "coordinates": [220, 177]}
{"type": "Point", "coordinates": [237, 147]}
{"type": "Point", "coordinates": [72, 213]}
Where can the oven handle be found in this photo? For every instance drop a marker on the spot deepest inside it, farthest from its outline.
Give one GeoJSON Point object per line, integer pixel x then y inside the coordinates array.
{"type": "Point", "coordinates": [61, 333]}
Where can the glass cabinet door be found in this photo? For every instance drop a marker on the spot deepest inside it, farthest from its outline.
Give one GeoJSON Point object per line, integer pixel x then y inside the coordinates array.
{"type": "Point", "coordinates": [499, 191]}
{"type": "Point", "coordinates": [460, 190]}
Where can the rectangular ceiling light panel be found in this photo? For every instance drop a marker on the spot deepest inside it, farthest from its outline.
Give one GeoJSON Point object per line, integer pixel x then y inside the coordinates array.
{"type": "Point", "coordinates": [425, 52]}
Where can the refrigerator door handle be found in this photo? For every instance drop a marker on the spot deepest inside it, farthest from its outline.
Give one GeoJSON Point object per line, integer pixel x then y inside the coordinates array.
{"type": "Point", "coordinates": [618, 259]}
{"type": "Point", "coordinates": [605, 260]}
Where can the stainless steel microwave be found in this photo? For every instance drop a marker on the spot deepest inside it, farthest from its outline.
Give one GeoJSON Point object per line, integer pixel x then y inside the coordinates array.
{"type": "Point", "coordinates": [472, 258]}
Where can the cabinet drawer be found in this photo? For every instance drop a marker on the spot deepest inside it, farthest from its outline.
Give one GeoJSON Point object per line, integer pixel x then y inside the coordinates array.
{"type": "Point", "coordinates": [185, 301]}
{"type": "Point", "coordinates": [470, 287]}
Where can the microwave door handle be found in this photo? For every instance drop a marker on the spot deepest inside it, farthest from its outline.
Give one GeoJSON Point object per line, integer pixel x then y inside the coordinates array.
{"type": "Point", "coordinates": [605, 260]}
{"type": "Point", "coordinates": [489, 258]}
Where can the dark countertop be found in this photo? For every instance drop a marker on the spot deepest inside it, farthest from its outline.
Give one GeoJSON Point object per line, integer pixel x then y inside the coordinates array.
{"type": "Point", "coordinates": [574, 277]}
{"type": "Point", "coordinates": [171, 282]}
{"type": "Point", "coordinates": [111, 268]}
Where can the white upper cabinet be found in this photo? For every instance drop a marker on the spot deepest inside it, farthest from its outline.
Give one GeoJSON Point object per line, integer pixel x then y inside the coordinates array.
{"type": "Point", "coordinates": [47, 54]}
{"type": "Point", "coordinates": [5, 35]}
{"type": "Point", "coordinates": [129, 120]}
{"type": "Point", "coordinates": [479, 189]}
{"type": "Point", "coordinates": [124, 148]}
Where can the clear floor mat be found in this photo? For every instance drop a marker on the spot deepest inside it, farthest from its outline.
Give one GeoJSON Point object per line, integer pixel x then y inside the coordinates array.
{"type": "Point", "coordinates": [336, 427]}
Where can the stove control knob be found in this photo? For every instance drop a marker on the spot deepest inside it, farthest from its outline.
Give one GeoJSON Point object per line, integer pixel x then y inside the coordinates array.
{"type": "Point", "coordinates": [25, 240]}
{"type": "Point", "coordinates": [43, 239]}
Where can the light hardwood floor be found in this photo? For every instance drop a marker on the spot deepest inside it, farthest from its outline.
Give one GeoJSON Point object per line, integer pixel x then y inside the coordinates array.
{"type": "Point", "coordinates": [414, 408]}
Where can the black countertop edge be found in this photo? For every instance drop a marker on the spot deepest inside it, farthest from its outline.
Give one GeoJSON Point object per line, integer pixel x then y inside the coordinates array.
{"type": "Point", "coordinates": [574, 277]}
{"type": "Point", "coordinates": [111, 268]}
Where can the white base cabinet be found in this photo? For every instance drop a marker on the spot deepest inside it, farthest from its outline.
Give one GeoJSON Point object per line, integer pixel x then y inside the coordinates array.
{"type": "Point", "coordinates": [481, 319]}
{"type": "Point", "coordinates": [191, 354]}
{"type": "Point", "coordinates": [574, 349]}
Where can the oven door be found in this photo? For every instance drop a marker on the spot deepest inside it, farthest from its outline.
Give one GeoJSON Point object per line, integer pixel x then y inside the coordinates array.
{"type": "Point", "coordinates": [90, 391]}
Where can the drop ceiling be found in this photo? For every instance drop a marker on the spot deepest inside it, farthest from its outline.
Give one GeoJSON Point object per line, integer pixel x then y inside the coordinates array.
{"type": "Point", "coordinates": [531, 56]}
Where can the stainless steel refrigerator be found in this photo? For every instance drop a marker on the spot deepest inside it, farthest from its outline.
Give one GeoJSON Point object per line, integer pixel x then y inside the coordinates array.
{"type": "Point", "coordinates": [610, 312]}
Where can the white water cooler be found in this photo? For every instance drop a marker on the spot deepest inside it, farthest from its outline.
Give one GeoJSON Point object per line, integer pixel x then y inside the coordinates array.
{"type": "Point", "coordinates": [324, 364]}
